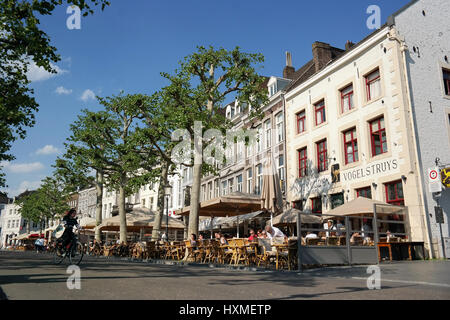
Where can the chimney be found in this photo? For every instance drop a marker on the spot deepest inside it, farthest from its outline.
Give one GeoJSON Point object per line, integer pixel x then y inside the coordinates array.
{"type": "Point", "coordinates": [321, 55]}
{"type": "Point", "coordinates": [289, 70]}
{"type": "Point", "coordinates": [348, 45]}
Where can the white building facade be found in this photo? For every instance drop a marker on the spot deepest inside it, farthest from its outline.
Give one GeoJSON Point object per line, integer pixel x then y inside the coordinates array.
{"type": "Point", "coordinates": [424, 27]}
{"type": "Point", "coordinates": [351, 119]}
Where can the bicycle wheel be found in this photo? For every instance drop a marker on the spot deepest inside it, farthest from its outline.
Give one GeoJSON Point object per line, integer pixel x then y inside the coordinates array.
{"type": "Point", "coordinates": [57, 259]}
{"type": "Point", "coordinates": [77, 254]}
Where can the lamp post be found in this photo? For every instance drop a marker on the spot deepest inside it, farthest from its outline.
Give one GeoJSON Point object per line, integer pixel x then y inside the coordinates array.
{"type": "Point", "coordinates": [167, 193]}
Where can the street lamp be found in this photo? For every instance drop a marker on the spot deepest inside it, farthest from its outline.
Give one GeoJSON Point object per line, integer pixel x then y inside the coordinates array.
{"type": "Point", "coordinates": [167, 193]}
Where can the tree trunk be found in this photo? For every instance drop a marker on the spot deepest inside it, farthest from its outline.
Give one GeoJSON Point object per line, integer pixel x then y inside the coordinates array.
{"type": "Point", "coordinates": [197, 177]}
{"type": "Point", "coordinates": [29, 226]}
{"type": "Point", "coordinates": [195, 200]}
{"type": "Point", "coordinates": [156, 232]}
{"type": "Point", "coordinates": [122, 215]}
{"type": "Point", "coordinates": [99, 205]}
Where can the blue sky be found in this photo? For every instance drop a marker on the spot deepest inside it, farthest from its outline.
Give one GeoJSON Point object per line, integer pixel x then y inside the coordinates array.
{"type": "Point", "coordinates": [126, 46]}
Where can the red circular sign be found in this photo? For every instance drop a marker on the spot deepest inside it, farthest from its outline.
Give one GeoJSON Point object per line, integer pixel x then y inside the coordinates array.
{"type": "Point", "coordinates": [433, 174]}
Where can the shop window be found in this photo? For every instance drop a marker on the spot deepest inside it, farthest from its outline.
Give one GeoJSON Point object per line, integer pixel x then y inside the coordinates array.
{"type": "Point", "coordinates": [394, 193]}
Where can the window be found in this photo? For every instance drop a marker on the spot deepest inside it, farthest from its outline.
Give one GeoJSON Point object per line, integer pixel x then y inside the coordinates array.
{"type": "Point", "coordinates": [347, 98]}
{"type": "Point", "coordinates": [302, 163]}
{"type": "Point", "coordinates": [319, 111]}
{"type": "Point", "coordinates": [272, 89]}
{"type": "Point", "coordinates": [316, 205]}
{"type": "Point", "coordinates": [240, 150]}
{"type": "Point", "coordinates": [203, 194]}
{"type": "Point", "coordinates": [216, 188]}
{"type": "Point", "coordinates": [373, 85]}
{"type": "Point", "coordinates": [364, 192]}
{"type": "Point", "coordinates": [350, 146]}
{"type": "Point", "coordinates": [249, 180]}
{"type": "Point", "coordinates": [281, 172]}
{"type": "Point", "coordinates": [210, 190]}
{"type": "Point", "coordinates": [268, 133]}
{"type": "Point", "coordinates": [9, 224]}
{"type": "Point", "coordinates": [259, 178]}
{"type": "Point", "coordinates": [322, 156]}
{"type": "Point", "coordinates": [249, 149]}
{"type": "Point", "coordinates": [143, 204]}
{"type": "Point", "coordinates": [224, 188]}
{"type": "Point", "coordinates": [394, 193]}
{"type": "Point", "coordinates": [151, 203]}
{"type": "Point", "coordinates": [280, 127]}
{"type": "Point", "coordinates": [297, 204]}
{"type": "Point", "coordinates": [337, 200]}
{"type": "Point", "coordinates": [378, 137]}
{"type": "Point", "coordinates": [259, 139]}
{"type": "Point", "coordinates": [446, 74]}
{"type": "Point", "coordinates": [239, 183]}
{"type": "Point", "coordinates": [230, 185]}
{"type": "Point", "coordinates": [301, 121]}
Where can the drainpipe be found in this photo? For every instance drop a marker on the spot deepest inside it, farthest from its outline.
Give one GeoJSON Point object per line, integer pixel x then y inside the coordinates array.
{"type": "Point", "coordinates": [418, 164]}
{"type": "Point", "coordinates": [285, 148]}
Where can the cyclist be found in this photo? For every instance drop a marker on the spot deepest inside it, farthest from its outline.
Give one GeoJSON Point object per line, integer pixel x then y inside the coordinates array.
{"type": "Point", "coordinates": [69, 222]}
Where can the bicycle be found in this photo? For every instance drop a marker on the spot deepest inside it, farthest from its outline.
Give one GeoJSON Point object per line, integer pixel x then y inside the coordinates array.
{"type": "Point", "coordinates": [75, 251]}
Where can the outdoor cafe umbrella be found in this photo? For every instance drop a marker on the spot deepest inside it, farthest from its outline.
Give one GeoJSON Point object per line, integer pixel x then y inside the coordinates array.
{"type": "Point", "coordinates": [361, 206]}
{"type": "Point", "coordinates": [88, 223]}
{"type": "Point", "coordinates": [290, 217]}
{"type": "Point", "coordinates": [271, 196]}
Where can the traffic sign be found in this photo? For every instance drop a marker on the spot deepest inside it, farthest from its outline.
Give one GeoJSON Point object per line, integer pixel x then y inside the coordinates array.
{"type": "Point", "coordinates": [434, 181]}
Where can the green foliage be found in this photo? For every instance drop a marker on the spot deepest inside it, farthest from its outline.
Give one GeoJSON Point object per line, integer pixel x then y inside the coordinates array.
{"type": "Point", "coordinates": [206, 78]}
{"type": "Point", "coordinates": [21, 43]}
{"type": "Point", "coordinates": [47, 202]}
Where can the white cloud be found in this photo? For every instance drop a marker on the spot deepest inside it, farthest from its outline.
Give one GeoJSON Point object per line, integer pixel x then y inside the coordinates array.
{"type": "Point", "coordinates": [24, 185]}
{"type": "Point", "coordinates": [62, 90]}
{"type": "Point", "coordinates": [48, 149]}
{"type": "Point", "coordinates": [22, 167]}
{"type": "Point", "coordinates": [87, 95]}
{"type": "Point", "coordinates": [36, 73]}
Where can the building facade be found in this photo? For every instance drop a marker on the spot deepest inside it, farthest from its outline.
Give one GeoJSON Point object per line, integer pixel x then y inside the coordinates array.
{"type": "Point", "coordinates": [87, 202]}
{"type": "Point", "coordinates": [350, 122]}
{"type": "Point", "coordinates": [423, 27]}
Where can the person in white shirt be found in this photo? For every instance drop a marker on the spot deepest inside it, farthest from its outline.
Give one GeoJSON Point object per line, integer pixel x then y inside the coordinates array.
{"type": "Point", "coordinates": [273, 232]}
{"type": "Point", "coordinates": [311, 235]}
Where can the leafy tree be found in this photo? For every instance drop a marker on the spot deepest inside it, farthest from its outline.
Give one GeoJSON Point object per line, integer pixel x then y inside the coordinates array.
{"type": "Point", "coordinates": [197, 92]}
{"type": "Point", "coordinates": [47, 203]}
{"type": "Point", "coordinates": [126, 158]}
{"type": "Point", "coordinates": [84, 153]}
{"type": "Point", "coordinates": [22, 42]}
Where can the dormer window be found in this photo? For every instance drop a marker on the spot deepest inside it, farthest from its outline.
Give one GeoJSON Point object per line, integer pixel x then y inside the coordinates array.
{"type": "Point", "coordinates": [272, 89]}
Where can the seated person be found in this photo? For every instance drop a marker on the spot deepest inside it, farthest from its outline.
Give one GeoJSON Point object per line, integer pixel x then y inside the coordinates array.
{"type": "Point", "coordinates": [253, 236]}
{"type": "Point", "coordinates": [263, 234]}
{"type": "Point", "coordinates": [273, 232]}
{"type": "Point", "coordinates": [322, 235]}
{"type": "Point", "coordinates": [354, 235]}
{"type": "Point", "coordinates": [389, 235]}
{"type": "Point", "coordinates": [311, 235]}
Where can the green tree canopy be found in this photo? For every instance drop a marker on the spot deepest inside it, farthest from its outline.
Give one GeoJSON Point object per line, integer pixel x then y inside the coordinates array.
{"type": "Point", "coordinates": [22, 42]}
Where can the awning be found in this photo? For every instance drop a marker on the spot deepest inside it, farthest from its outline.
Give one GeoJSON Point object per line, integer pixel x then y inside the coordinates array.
{"type": "Point", "coordinates": [233, 204]}
{"type": "Point", "coordinates": [88, 223]}
{"type": "Point", "coordinates": [362, 205]}
{"type": "Point", "coordinates": [138, 219]}
{"type": "Point", "coordinates": [227, 222]}
{"type": "Point", "coordinates": [290, 217]}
